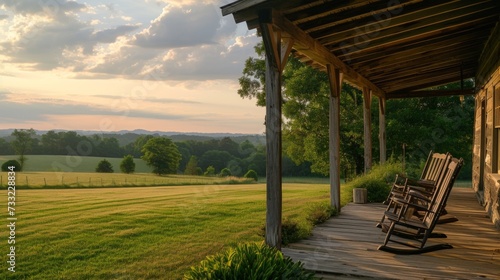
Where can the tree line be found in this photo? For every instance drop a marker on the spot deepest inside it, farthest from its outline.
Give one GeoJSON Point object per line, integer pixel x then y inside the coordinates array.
{"type": "Point", "coordinates": [195, 157]}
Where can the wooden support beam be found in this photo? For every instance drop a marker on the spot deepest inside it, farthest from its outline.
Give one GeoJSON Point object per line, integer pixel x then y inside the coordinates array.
{"type": "Point", "coordinates": [335, 78]}
{"type": "Point", "coordinates": [272, 43]}
{"type": "Point", "coordinates": [381, 135]}
{"type": "Point", "coordinates": [367, 120]}
{"type": "Point", "coordinates": [314, 50]}
{"type": "Point", "coordinates": [429, 93]}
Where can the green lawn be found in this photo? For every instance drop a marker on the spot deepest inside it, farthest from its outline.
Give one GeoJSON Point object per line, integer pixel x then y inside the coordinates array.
{"type": "Point", "coordinates": [68, 163]}
{"type": "Point", "coordinates": [137, 233]}
{"type": "Point", "coordinates": [97, 180]}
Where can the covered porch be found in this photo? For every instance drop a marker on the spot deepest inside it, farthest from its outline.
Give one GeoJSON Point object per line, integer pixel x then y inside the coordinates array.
{"type": "Point", "coordinates": [345, 247]}
{"type": "Point", "coordinates": [388, 49]}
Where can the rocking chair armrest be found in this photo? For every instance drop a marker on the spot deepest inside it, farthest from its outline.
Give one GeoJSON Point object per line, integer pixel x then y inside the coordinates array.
{"type": "Point", "coordinates": [421, 190]}
{"type": "Point", "coordinates": [419, 195]}
{"type": "Point", "coordinates": [402, 201]}
{"type": "Point", "coordinates": [426, 184]}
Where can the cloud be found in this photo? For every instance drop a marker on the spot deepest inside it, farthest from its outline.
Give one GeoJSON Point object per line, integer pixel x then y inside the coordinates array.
{"type": "Point", "coordinates": [110, 35]}
{"type": "Point", "coordinates": [180, 27]}
{"type": "Point", "coordinates": [188, 40]}
{"type": "Point", "coordinates": [2, 17]}
{"type": "Point", "coordinates": [46, 45]}
{"type": "Point", "coordinates": [22, 109]}
{"type": "Point", "coordinates": [47, 7]}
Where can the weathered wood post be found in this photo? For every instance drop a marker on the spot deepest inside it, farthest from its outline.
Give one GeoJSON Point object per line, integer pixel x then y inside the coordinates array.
{"type": "Point", "coordinates": [335, 79]}
{"type": "Point", "coordinates": [367, 120]}
{"type": "Point", "coordinates": [277, 53]}
{"type": "Point", "coordinates": [381, 135]}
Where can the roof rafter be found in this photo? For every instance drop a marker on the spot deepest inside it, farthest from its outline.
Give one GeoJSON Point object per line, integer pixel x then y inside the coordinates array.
{"type": "Point", "coordinates": [313, 49]}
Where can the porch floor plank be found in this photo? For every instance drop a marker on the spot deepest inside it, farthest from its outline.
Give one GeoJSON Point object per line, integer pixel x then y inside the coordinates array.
{"type": "Point", "coordinates": [345, 247]}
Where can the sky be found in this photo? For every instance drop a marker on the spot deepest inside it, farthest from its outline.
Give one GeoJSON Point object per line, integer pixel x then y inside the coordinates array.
{"type": "Point", "coordinates": [123, 65]}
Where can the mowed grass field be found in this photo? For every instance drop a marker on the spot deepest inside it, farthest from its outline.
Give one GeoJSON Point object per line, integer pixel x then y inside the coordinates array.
{"type": "Point", "coordinates": [137, 232]}
{"type": "Point", "coordinates": [68, 163]}
{"type": "Point", "coordinates": [36, 180]}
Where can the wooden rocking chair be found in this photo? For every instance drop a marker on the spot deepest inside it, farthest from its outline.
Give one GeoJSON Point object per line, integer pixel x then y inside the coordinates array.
{"type": "Point", "coordinates": [433, 169]}
{"type": "Point", "coordinates": [422, 228]}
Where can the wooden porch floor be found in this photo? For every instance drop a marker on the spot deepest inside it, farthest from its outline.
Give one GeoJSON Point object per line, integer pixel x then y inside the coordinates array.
{"type": "Point", "coordinates": [345, 247]}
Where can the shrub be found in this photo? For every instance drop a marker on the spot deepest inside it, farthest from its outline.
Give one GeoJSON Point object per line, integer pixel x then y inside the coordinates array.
{"type": "Point", "coordinates": [104, 166]}
{"type": "Point", "coordinates": [12, 162]}
{"type": "Point", "coordinates": [251, 174]}
{"type": "Point", "coordinates": [293, 230]}
{"type": "Point", "coordinates": [225, 172]}
{"type": "Point", "coordinates": [320, 212]}
{"type": "Point", "coordinates": [377, 182]}
{"type": "Point", "coordinates": [249, 261]}
{"type": "Point", "coordinates": [210, 171]}
{"type": "Point", "coordinates": [127, 165]}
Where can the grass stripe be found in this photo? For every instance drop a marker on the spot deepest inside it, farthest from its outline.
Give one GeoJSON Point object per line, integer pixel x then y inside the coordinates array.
{"type": "Point", "coordinates": [138, 232]}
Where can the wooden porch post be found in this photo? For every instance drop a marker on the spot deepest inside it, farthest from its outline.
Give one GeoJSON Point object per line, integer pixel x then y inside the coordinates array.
{"type": "Point", "coordinates": [335, 78]}
{"type": "Point", "coordinates": [381, 124]}
{"type": "Point", "coordinates": [276, 56]}
{"type": "Point", "coordinates": [367, 119]}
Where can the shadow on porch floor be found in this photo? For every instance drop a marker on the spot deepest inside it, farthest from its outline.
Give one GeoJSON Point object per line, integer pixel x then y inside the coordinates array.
{"type": "Point", "coordinates": [345, 246]}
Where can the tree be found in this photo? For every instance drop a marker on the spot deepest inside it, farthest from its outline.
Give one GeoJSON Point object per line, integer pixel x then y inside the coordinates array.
{"type": "Point", "coordinates": [5, 147]}
{"type": "Point", "coordinates": [23, 143]}
{"type": "Point", "coordinates": [127, 165]}
{"type": "Point", "coordinates": [217, 159]}
{"type": "Point", "coordinates": [104, 166]}
{"type": "Point", "coordinates": [442, 124]}
{"type": "Point", "coordinates": [192, 166]}
{"type": "Point", "coordinates": [161, 154]}
{"type": "Point", "coordinates": [225, 172]}
{"type": "Point", "coordinates": [210, 171]}
{"type": "Point", "coordinates": [51, 143]}
{"type": "Point", "coordinates": [306, 102]}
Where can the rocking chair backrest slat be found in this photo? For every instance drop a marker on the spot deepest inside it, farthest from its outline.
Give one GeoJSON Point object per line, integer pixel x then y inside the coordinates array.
{"type": "Point", "coordinates": [442, 192]}
{"type": "Point", "coordinates": [428, 162]}
{"type": "Point", "coordinates": [435, 167]}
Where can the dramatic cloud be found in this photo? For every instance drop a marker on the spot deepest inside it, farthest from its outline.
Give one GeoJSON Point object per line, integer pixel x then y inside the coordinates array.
{"type": "Point", "coordinates": [154, 63]}
{"type": "Point", "coordinates": [186, 41]}
{"type": "Point", "coordinates": [181, 27]}
{"type": "Point", "coordinates": [46, 7]}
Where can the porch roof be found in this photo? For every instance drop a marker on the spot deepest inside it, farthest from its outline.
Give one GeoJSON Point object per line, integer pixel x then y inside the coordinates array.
{"type": "Point", "coordinates": [392, 47]}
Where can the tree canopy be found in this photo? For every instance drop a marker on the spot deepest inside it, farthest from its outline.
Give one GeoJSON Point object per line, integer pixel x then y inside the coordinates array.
{"type": "Point", "coordinates": [442, 124]}
{"type": "Point", "coordinates": [23, 143]}
{"type": "Point", "coordinates": [162, 155]}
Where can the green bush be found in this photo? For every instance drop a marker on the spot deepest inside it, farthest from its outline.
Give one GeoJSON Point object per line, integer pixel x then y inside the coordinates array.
{"type": "Point", "coordinates": [225, 172]}
{"type": "Point", "coordinates": [104, 166]}
{"type": "Point", "coordinates": [320, 212]}
{"type": "Point", "coordinates": [377, 182]}
{"type": "Point", "coordinates": [210, 171]}
{"type": "Point", "coordinates": [252, 174]}
{"type": "Point", "coordinates": [12, 162]}
{"type": "Point", "coordinates": [298, 228]}
{"type": "Point", "coordinates": [249, 261]}
{"type": "Point", "coordinates": [127, 165]}
{"type": "Point", "coordinates": [293, 231]}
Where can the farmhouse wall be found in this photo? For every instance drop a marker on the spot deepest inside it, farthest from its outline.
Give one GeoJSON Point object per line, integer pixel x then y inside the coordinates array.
{"type": "Point", "coordinates": [486, 149]}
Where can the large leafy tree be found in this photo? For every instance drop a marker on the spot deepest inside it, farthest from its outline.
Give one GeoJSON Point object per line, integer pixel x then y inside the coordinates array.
{"type": "Point", "coordinates": [441, 124]}
{"type": "Point", "coordinates": [161, 154]}
{"type": "Point", "coordinates": [23, 143]}
{"type": "Point", "coordinates": [305, 108]}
